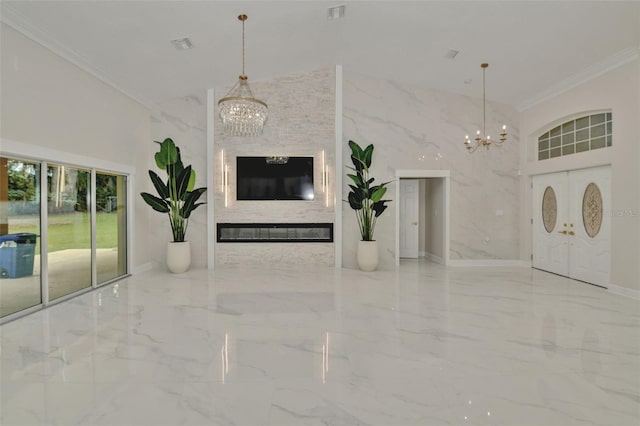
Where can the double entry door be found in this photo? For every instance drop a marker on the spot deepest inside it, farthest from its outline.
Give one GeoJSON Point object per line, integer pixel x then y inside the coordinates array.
{"type": "Point", "coordinates": [571, 224]}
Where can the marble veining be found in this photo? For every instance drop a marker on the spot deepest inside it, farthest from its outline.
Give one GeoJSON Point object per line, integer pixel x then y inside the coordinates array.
{"type": "Point", "coordinates": [415, 127]}
{"type": "Point", "coordinates": [420, 345]}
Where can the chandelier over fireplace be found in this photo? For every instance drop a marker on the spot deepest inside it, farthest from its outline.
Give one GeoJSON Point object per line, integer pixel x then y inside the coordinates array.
{"type": "Point", "coordinates": [241, 112]}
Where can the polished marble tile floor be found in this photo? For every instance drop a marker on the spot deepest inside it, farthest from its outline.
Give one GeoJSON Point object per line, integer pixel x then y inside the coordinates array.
{"type": "Point", "coordinates": [423, 345]}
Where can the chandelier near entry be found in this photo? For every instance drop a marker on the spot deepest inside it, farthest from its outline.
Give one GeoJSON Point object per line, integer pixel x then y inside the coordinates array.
{"type": "Point", "coordinates": [241, 113]}
{"type": "Point", "coordinates": [484, 139]}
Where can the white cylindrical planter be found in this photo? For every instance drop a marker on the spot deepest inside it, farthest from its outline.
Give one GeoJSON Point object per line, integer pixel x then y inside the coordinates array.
{"type": "Point", "coordinates": [178, 256]}
{"type": "Point", "coordinates": [367, 255]}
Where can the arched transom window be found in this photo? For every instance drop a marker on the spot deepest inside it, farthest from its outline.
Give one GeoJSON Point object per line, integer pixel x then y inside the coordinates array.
{"type": "Point", "coordinates": [578, 135]}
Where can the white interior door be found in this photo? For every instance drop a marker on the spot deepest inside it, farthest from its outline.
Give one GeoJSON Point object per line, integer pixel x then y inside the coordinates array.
{"type": "Point", "coordinates": [571, 230]}
{"type": "Point", "coordinates": [409, 211]}
{"type": "Point", "coordinates": [550, 223]}
{"type": "Point", "coordinates": [590, 227]}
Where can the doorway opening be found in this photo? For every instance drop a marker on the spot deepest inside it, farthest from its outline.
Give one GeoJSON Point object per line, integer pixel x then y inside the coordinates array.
{"type": "Point", "coordinates": [422, 215]}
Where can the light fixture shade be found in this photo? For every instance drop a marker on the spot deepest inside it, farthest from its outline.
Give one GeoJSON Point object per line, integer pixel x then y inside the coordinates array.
{"type": "Point", "coordinates": [241, 113]}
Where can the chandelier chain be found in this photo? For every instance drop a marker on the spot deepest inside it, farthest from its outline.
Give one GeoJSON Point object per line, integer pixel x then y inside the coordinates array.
{"type": "Point", "coordinates": [484, 103]}
{"type": "Point", "coordinates": [484, 140]}
{"type": "Point", "coordinates": [243, 18]}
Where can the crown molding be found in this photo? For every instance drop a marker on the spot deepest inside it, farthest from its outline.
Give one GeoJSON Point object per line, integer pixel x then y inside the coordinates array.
{"type": "Point", "coordinates": [596, 70]}
{"type": "Point", "coordinates": [19, 23]}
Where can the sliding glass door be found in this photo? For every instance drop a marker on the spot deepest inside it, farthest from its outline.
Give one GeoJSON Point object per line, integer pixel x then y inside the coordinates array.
{"type": "Point", "coordinates": [68, 230]}
{"type": "Point", "coordinates": [111, 226]}
{"type": "Point", "coordinates": [19, 235]}
{"type": "Point", "coordinates": [83, 233]}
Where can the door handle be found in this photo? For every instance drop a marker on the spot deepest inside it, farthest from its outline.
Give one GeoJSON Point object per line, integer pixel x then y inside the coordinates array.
{"type": "Point", "coordinates": [571, 233]}
{"type": "Point", "coordinates": [414, 223]}
{"type": "Point", "coordinates": [563, 232]}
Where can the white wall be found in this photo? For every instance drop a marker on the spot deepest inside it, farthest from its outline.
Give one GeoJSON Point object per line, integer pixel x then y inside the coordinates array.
{"type": "Point", "coordinates": [48, 102]}
{"type": "Point", "coordinates": [419, 128]}
{"type": "Point", "coordinates": [618, 91]}
{"type": "Point", "coordinates": [301, 122]}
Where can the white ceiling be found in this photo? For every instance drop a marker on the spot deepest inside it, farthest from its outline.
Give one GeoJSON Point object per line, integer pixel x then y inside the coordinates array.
{"type": "Point", "coordinates": [530, 46]}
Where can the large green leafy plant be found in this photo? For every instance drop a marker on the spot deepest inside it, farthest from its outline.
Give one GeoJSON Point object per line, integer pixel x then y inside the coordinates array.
{"type": "Point", "coordinates": [177, 197]}
{"type": "Point", "coordinates": [365, 197]}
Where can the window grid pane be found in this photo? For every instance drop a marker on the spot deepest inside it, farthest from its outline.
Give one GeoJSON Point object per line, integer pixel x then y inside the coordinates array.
{"type": "Point", "coordinates": [574, 136]}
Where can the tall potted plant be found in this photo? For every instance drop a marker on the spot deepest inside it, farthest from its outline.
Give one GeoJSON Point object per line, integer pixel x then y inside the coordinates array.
{"type": "Point", "coordinates": [177, 198]}
{"type": "Point", "coordinates": [365, 198]}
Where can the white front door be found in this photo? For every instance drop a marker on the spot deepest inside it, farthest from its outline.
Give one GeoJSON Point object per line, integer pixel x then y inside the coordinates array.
{"type": "Point", "coordinates": [550, 222]}
{"type": "Point", "coordinates": [409, 211]}
{"type": "Point", "coordinates": [571, 230]}
{"type": "Point", "coordinates": [590, 226]}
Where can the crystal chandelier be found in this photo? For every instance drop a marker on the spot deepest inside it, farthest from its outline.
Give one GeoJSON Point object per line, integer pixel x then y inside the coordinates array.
{"type": "Point", "coordinates": [484, 139]}
{"type": "Point", "coordinates": [241, 113]}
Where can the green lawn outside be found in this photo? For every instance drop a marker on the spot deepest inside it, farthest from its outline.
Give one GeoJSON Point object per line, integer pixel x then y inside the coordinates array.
{"type": "Point", "coordinates": [71, 230]}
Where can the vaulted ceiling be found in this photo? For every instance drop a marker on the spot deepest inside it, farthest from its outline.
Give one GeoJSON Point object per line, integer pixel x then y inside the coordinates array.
{"type": "Point", "coordinates": [530, 46]}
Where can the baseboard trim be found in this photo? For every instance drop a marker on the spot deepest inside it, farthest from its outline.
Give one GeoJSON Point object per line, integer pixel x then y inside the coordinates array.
{"type": "Point", "coordinates": [489, 262]}
{"type": "Point", "coordinates": [142, 268]}
{"type": "Point", "coordinates": [434, 258]}
{"type": "Point", "coordinates": [431, 257]}
{"type": "Point", "coordinates": [624, 291]}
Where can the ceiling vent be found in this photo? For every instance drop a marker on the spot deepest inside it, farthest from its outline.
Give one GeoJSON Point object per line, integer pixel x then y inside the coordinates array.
{"type": "Point", "coordinates": [182, 43]}
{"type": "Point", "coordinates": [336, 12]}
{"type": "Point", "coordinates": [451, 54]}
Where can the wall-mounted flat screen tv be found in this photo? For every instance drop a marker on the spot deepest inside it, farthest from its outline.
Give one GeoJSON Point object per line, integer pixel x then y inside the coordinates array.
{"type": "Point", "coordinates": [274, 178]}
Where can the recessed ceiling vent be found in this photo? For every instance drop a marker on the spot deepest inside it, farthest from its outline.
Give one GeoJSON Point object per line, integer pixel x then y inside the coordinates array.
{"type": "Point", "coordinates": [336, 12]}
{"type": "Point", "coordinates": [182, 43]}
{"type": "Point", "coordinates": [451, 54]}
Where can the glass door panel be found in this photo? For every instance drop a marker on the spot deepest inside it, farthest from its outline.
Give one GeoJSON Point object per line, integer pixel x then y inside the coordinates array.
{"type": "Point", "coordinates": [19, 235]}
{"type": "Point", "coordinates": [68, 230]}
{"type": "Point", "coordinates": [111, 226]}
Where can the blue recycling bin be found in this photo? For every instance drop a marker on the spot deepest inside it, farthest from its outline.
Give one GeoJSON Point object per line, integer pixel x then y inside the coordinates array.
{"type": "Point", "coordinates": [17, 252]}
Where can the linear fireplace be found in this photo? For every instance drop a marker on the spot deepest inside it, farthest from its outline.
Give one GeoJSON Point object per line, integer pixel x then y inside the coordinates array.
{"type": "Point", "coordinates": [275, 232]}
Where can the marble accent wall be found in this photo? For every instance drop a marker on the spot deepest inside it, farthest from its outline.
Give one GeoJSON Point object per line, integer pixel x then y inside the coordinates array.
{"type": "Point", "coordinates": [184, 120]}
{"type": "Point", "coordinates": [301, 123]}
{"type": "Point", "coordinates": [420, 128]}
